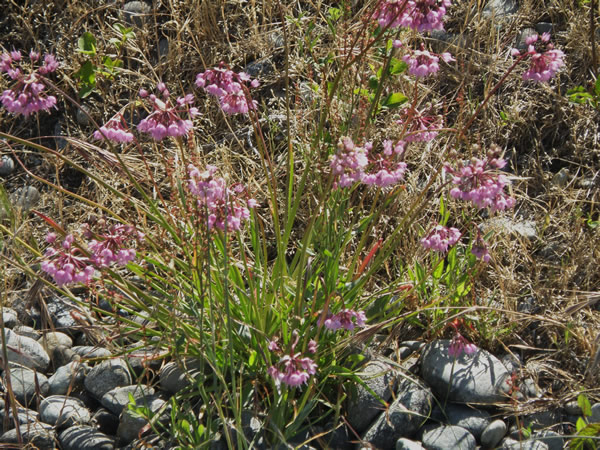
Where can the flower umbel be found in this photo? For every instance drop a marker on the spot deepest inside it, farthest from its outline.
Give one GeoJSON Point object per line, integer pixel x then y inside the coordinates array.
{"type": "Point", "coordinates": [165, 120]}
{"type": "Point", "coordinates": [229, 87]}
{"type": "Point", "coordinates": [422, 63]}
{"type": "Point", "coordinates": [65, 262]}
{"type": "Point", "coordinates": [293, 369]}
{"type": "Point", "coordinates": [545, 59]}
{"type": "Point", "coordinates": [347, 319]}
{"type": "Point", "coordinates": [112, 245]}
{"type": "Point", "coordinates": [460, 345]}
{"type": "Point", "coordinates": [27, 95]}
{"type": "Point", "coordinates": [440, 238]}
{"type": "Point", "coordinates": [223, 206]}
{"type": "Point", "coordinates": [114, 131]}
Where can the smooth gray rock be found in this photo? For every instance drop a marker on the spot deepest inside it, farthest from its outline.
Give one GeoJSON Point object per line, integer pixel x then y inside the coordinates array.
{"type": "Point", "coordinates": [106, 421]}
{"type": "Point", "coordinates": [85, 438]}
{"type": "Point", "coordinates": [9, 317]}
{"type": "Point", "coordinates": [522, 228]}
{"type": "Point", "coordinates": [117, 399]}
{"type": "Point", "coordinates": [174, 378]}
{"type": "Point", "coordinates": [7, 165]}
{"type": "Point", "coordinates": [36, 434]}
{"type": "Point", "coordinates": [493, 434]}
{"type": "Point", "coordinates": [131, 424]}
{"type": "Point", "coordinates": [544, 27]}
{"type": "Point", "coordinates": [541, 419]}
{"type": "Point", "coordinates": [552, 439]}
{"type": "Point", "coordinates": [407, 444]}
{"type": "Point", "coordinates": [595, 413]}
{"type": "Point", "coordinates": [24, 415]}
{"type": "Point", "coordinates": [364, 407]}
{"type": "Point", "coordinates": [26, 331]}
{"type": "Point", "coordinates": [82, 116]}
{"type": "Point", "coordinates": [107, 375]}
{"type": "Point", "coordinates": [90, 352]}
{"type": "Point", "coordinates": [500, 8]}
{"type": "Point", "coordinates": [63, 411]}
{"type": "Point", "coordinates": [25, 382]}
{"type": "Point", "coordinates": [403, 418]}
{"type": "Point", "coordinates": [573, 408]}
{"type": "Point", "coordinates": [26, 351]}
{"type": "Point", "coordinates": [137, 13]}
{"type": "Point", "coordinates": [512, 444]}
{"type": "Point", "coordinates": [63, 355]}
{"type": "Point", "coordinates": [479, 378]}
{"type": "Point", "coordinates": [53, 339]}
{"type": "Point", "coordinates": [449, 436]}
{"type": "Point", "coordinates": [62, 311]}
{"type": "Point", "coordinates": [70, 375]}
{"type": "Point", "coordinates": [472, 420]}
{"type": "Point", "coordinates": [25, 198]}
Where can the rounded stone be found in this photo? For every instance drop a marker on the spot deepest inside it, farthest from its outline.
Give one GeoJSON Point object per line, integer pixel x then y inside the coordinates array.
{"type": "Point", "coordinates": [136, 13]}
{"type": "Point", "coordinates": [82, 116]}
{"type": "Point", "coordinates": [24, 415]}
{"type": "Point", "coordinates": [106, 421]}
{"type": "Point", "coordinates": [26, 331]}
{"type": "Point", "coordinates": [107, 375]}
{"type": "Point", "coordinates": [472, 420]}
{"type": "Point", "coordinates": [63, 411]}
{"type": "Point", "coordinates": [449, 436]}
{"type": "Point", "coordinates": [25, 198]}
{"type": "Point", "coordinates": [130, 423]}
{"type": "Point", "coordinates": [84, 437]}
{"type": "Point", "coordinates": [26, 351]}
{"type": "Point", "coordinates": [90, 352]}
{"type": "Point", "coordinates": [36, 434]}
{"type": "Point", "coordinates": [493, 433]}
{"type": "Point", "coordinates": [7, 165]}
{"type": "Point", "coordinates": [407, 444]}
{"type": "Point", "coordinates": [174, 378]}
{"type": "Point", "coordinates": [67, 378]}
{"type": "Point", "coordinates": [53, 339]}
{"type": "Point", "coordinates": [572, 408]}
{"type": "Point", "coordinates": [9, 317]}
{"type": "Point", "coordinates": [117, 399]}
{"type": "Point", "coordinates": [63, 355]}
{"type": "Point", "coordinates": [25, 384]}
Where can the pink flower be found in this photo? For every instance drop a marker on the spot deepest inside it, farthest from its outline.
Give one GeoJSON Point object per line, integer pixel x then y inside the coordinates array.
{"type": "Point", "coordinates": [221, 206]}
{"type": "Point", "coordinates": [229, 87]}
{"type": "Point", "coordinates": [66, 263]}
{"type": "Point", "coordinates": [346, 319]}
{"type": "Point", "coordinates": [112, 245]}
{"type": "Point", "coordinates": [420, 15]}
{"type": "Point", "coordinates": [479, 183]}
{"type": "Point", "coordinates": [293, 369]}
{"type": "Point", "coordinates": [545, 61]}
{"type": "Point", "coordinates": [165, 120]}
{"type": "Point", "coordinates": [440, 238]}
{"type": "Point", "coordinates": [348, 163]}
{"type": "Point", "coordinates": [459, 345]}
{"type": "Point", "coordinates": [422, 63]}
{"type": "Point", "coordinates": [114, 131]}
{"type": "Point", "coordinates": [27, 95]}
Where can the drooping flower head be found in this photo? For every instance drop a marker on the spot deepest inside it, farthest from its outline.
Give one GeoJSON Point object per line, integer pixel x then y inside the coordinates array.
{"type": "Point", "coordinates": [293, 368]}
{"type": "Point", "coordinates": [348, 164]}
{"type": "Point", "coordinates": [460, 345]}
{"type": "Point", "coordinates": [65, 262]}
{"type": "Point", "coordinates": [224, 207]}
{"type": "Point", "coordinates": [419, 15]}
{"type": "Point", "coordinates": [422, 63]}
{"type": "Point", "coordinates": [480, 183]}
{"type": "Point", "coordinates": [440, 238]}
{"type": "Point", "coordinates": [419, 125]}
{"type": "Point", "coordinates": [28, 93]}
{"type": "Point", "coordinates": [114, 130]}
{"type": "Point", "coordinates": [229, 87]}
{"type": "Point", "coordinates": [111, 244]}
{"type": "Point", "coordinates": [166, 120]}
{"type": "Point", "coordinates": [347, 319]}
{"type": "Point", "coordinates": [545, 60]}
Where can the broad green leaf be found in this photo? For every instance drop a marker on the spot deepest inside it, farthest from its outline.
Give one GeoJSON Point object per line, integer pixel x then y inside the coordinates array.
{"type": "Point", "coordinates": [397, 66]}
{"type": "Point", "coordinates": [394, 100]}
{"type": "Point", "coordinates": [373, 83]}
{"type": "Point", "coordinates": [85, 90]}
{"type": "Point", "coordinates": [87, 73]}
{"type": "Point", "coordinates": [439, 270]}
{"type": "Point", "coordinates": [87, 43]}
{"type": "Point", "coordinates": [597, 87]}
{"type": "Point", "coordinates": [584, 404]}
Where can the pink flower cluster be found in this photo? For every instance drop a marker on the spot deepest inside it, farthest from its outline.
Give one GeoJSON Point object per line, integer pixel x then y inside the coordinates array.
{"type": "Point", "coordinates": [68, 264]}
{"type": "Point", "coordinates": [440, 238]}
{"type": "Point", "coordinates": [110, 247]}
{"type": "Point", "coordinates": [349, 165]}
{"type": "Point", "coordinates": [225, 207]}
{"type": "Point", "coordinates": [479, 183]}
{"type": "Point", "coordinates": [420, 126]}
{"type": "Point", "coordinates": [460, 345]}
{"type": "Point", "coordinates": [422, 63]}
{"type": "Point", "coordinates": [114, 130]}
{"type": "Point", "coordinates": [27, 95]}
{"type": "Point", "coordinates": [165, 120]}
{"type": "Point", "coordinates": [293, 369]}
{"type": "Point", "coordinates": [545, 59]}
{"type": "Point", "coordinates": [419, 15]}
{"type": "Point", "coordinates": [347, 319]}
{"type": "Point", "coordinates": [65, 262]}
{"type": "Point", "coordinates": [229, 87]}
